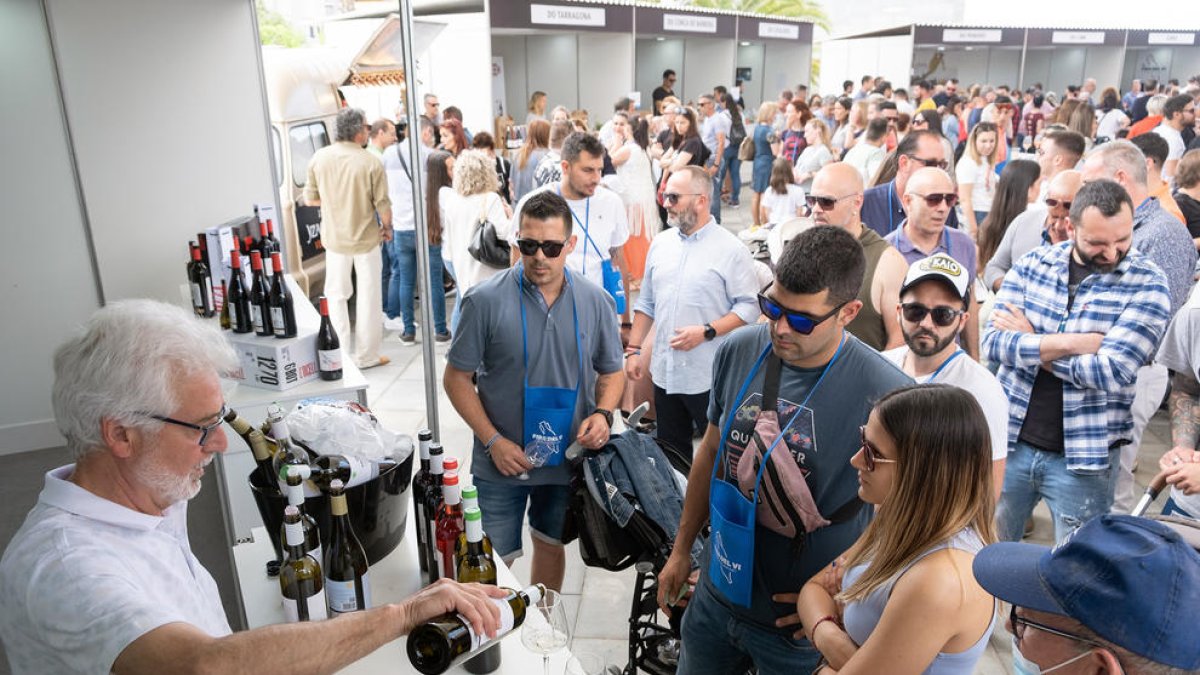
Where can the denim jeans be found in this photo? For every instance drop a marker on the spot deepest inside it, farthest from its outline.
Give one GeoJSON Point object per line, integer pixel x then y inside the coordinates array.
{"type": "Point", "coordinates": [1074, 498]}
{"type": "Point", "coordinates": [718, 643]}
{"type": "Point", "coordinates": [385, 252]}
{"type": "Point", "coordinates": [404, 279]}
{"type": "Point", "coordinates": [715, 207]}
{"type": "Point", "coordinates": [733, 166]}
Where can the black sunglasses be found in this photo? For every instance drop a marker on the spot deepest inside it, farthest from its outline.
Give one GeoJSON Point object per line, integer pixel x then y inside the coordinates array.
{"type": "Point", "coordinates": [871, 454]}
{"type": "Point", "coordinates": [915, 312]}
{"type": "Point", "coordinates": [939, 163]}
{"type": "Point", "coordinates": [1055, 203]}
{"type": "Point", "coordinates": [936, 198]}
{"type": "Point", "coordinates": [824, 201]}
{"type": "Point", "coordinates": [204, 430]}
{"type": "Point", "coordinates": [800, 322]}
{"type": "Point", "coordinates": [552, 249]}
{"type": "Point", "coordinates": [670, 198]}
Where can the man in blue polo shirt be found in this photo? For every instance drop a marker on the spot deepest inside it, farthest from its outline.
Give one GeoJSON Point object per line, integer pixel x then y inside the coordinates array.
{"type": "Point", "coordinates": [883, 206]}
{"type": "Point", "coordinates": [929, 199]}
{"type": "Point", "coordinates": [545, 353]}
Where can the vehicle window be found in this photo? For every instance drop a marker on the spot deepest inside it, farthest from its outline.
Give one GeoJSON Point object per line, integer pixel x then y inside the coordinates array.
{"type": "Point", "coordinates": [306, 139]}
{"type": "Point", "coordinates": [277, 153]}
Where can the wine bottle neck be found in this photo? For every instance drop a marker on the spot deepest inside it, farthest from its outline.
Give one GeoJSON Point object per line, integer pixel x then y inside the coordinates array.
{"type": "Point", "coordinates": [337, 505]}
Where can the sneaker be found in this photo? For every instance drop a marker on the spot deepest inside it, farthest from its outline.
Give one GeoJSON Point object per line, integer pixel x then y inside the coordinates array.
{"type": "Point", "coordinates": [396, 324]}
{"type": "Point", "coordinates": [408, 339]}
{"type": "Point", "coordinates": [442, 337]}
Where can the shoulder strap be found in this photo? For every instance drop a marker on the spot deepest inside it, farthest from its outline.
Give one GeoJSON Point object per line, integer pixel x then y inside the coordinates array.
{"type": "Point", "coordinates": [404, 165]}
{"type": "Point", "coordinates": [770, 395]}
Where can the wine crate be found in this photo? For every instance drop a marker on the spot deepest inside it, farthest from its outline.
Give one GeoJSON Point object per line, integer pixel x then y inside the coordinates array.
{"type": "Point", "coordinates": [270, 363]}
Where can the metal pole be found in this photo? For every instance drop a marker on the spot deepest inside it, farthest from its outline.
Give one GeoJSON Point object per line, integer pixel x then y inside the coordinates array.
{"type": "Point", "coordinates": [422, 228]}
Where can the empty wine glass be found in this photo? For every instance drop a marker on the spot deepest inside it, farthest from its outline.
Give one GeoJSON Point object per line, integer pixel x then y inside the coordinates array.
{"type": "Point", "coordinates": [546, 630]}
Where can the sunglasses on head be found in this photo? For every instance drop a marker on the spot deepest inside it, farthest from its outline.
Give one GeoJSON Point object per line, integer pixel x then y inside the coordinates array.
{"type": "Point", "coordinates": [530, 247]}
{"type": "Point", "coordinates": [1055, 203]}
{"type": "Point", "coordinates": [871, 455]}
{"type": "Point", "coordinates": [939, 163]}
{"type": "Point", "coordinates": [800, 322]}
{"type": "Point", "coordinates": [936, 198]}
{"type": "Point", "coordinates": [825, 202]}
{"type": "Point", "coordinates": [914, 312]}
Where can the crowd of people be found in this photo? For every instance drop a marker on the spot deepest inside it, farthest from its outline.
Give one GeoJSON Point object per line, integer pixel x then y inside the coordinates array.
{"type": "Point", "coordinates": [987, 295]}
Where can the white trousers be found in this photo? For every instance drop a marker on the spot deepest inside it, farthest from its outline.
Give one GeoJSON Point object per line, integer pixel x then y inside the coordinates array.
{"type": "Point", "coordinates": [369, 319]}
{"type": "Point", "coordinates": [1150, 387]}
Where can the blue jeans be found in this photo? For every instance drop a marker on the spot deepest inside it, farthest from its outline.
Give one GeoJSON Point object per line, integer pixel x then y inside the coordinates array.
{"type": "Point", "coordinates": [456, 313]}
{"type": "Point", "coordinates": [733, 166]}
{"type": "Point", "coordinates": [385, 253]}
{"type": "Point", "coordinates": [715, 207]}
{"type": "Point", "coordinates": [1074, 498]}
{"type": "Point", "coordinates": [404, 280]}
{"type": "Point", "coordinates": [718, 643]}
{"type": "Point", "coordinates": [504, 506]}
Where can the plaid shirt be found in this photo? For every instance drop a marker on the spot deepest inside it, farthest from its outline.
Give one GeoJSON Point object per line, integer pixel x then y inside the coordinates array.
{"type": "Point", "coordinates": [1130, 306]}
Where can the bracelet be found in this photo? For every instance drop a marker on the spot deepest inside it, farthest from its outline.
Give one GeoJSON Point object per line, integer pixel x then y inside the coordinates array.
{"type": "Point", "coordinates": [626, 324]}
{"type": "Point", "coordinates": [812, 632]}
{"type": "Point", "coordinates": [488, 446]}
{"type": "Point", "coordinates": [635, 352]}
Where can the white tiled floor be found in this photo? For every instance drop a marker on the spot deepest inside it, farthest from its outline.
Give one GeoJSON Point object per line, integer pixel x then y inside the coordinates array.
{"type": "Point", "coordinates": [397, 396]}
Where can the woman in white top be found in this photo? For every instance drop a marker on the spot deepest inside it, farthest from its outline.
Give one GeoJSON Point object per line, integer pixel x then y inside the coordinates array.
{"type": "Point", "coordinates": [816, 154]}
{"type": "Point", "coordinates": [976, 173]}
{"type": "Point", "coordinates": [537, 107]}
{"type": "Point", "coordinates": [1110, 117]}
{"type": "Point", "coordinates": [628, 154]}
{"type": "Point", "coordinates": [472, 199]}
{"type": "Point", "coordinates": [783, 199]}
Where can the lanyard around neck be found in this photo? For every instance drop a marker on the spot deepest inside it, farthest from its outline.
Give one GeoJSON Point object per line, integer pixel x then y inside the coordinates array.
{"type": "Point", "coordinates": [524, 330]}
{"type": "Point", "coordinates": [957, 353]}
{"type": "Point", "coordinates": [587, 219]}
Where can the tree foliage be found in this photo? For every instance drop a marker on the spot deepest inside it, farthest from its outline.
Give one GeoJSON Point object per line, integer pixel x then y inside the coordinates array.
{"type": "Point", "coordinates": [273, 29]}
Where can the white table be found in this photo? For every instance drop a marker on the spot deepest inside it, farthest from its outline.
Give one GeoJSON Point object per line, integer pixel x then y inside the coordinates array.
{"type": "Point", "coordinates": [392, 579]}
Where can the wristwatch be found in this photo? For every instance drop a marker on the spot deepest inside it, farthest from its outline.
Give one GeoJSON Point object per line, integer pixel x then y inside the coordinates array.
{"type": "Point", "coordinates": [709, 332]}
{"type": "Point", "coordinates": [607, 414]}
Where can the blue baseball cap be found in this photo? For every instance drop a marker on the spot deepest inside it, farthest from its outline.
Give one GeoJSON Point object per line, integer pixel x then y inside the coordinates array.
{"type": "Point", "coordinates": [1133, 581]}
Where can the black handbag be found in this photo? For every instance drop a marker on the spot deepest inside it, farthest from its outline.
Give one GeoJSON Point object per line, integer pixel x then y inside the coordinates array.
{"type": "Point", "coordinates": [486, 246]}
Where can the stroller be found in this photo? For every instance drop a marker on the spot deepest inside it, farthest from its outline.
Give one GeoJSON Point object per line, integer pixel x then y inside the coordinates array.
{"type": "Point", "coordinates": [641, 543]}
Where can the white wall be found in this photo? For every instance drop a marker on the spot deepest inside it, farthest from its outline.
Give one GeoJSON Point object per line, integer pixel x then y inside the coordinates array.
{"type": "Point", "coordinates": [653, 57]}
{"type": "Point", "coordinates": [1066, 67]}
{"type": "Point", "coordinates": [751, 56]}
{"type": "Point", "coordinates": [787, 65]}
{"type": "Point", "coordinates": [1185, 62]}
{"type": "Point", "coordinates": [555, 68]}
{"type": "Point", "coordinates": [612, 80]}
{"type": "Point", "coordinates": [707, 62]}
{"type": "Point", "coordinates": [891, 57]}
{"type": "Point", "coordinates": [516, 89]}
{"type": "Point", "coordinates": [46, 271]}
{"type": "Point", "coordinates": [1037, 68]}
{"type": "Point", "coordinates": [458, 68]}
{"type": "Point", "coordinates": [1104, 64]}
{"type": "Point", "coordinates": [1004, 66]}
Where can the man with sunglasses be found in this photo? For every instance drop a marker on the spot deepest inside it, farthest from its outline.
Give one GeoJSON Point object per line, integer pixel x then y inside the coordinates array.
{"type": "Point", "coordinates": [101, 577]}
{"type": "Point", "coordinates": [932, 312]}
{"type": "Point", "coordinates": [883, 205]}
{"type": "Point", "coordinates": [667, 88]}
{"type": "Point", "coordinates": [1073, 324]}
{"type": "Point", "coordinates": [1119, 597]}
{"type": "Point", "coordinates": [1044, 223]}
{"type": "Point", "coordinates": [835, 199]}
{"type": "Point", "coordinates": [929, 200]}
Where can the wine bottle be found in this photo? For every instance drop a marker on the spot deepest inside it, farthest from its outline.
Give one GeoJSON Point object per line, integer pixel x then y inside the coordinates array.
{"type": "Point", "coordinates": [201, 283]}
{"type": "Point", "coordinates": [257, 443]}
{"type": "Point", "coordinates": [273, 241]}
{"type": "Point", "coordinates": [470, 500]}
{"type": "Point", "coordinates": [247, 245]}
{"type": "Point", "coordinates": [441, 643]}
{"type": "Point", "coordinates": [433, 506]}
{"type": "Point", "coordinates": [238, 299]}
{"type": "Point", "coordinates": [347, 586]}
{"type": "Point", "coordinates": [295, 497]}
{"type": "Point", "coordinates": [351, 470]}
{"type": "Point", "coordinates": [260, 298]}
{"type": "Point", "coordinates": [329, 348]}
{"type": "Point", "coordinates": [300, 576]}
{"type": "Point", "coordinates": [225, 320]}
{"type": "Point", "coordinates": [287, 453]}
{"type": "Point", "coordinates": [267, 243]}
{"type": "Point", "coordinates": [477, 565]}
{"type": "Point", "coordinates": [283, 310]}
{"type": "Point", "coordinates": [420, 484]}
{"type": "Point", "coordinates": [449, 525]}
{"type": "Point", "coordinates": [263, 246]}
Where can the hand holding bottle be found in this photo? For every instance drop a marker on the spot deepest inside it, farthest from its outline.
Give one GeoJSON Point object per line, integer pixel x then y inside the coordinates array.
{"type": "Point", "coordinates": [472, 601]}
{"type": "Point", "coordinates": [509, 458]}
{"type": "Point", "coordinates": [676, 581]}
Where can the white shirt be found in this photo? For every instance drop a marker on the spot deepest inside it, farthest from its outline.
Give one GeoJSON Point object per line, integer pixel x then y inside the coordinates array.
{"type": "Point", "coordinates": [84, 577]}
{"type": "Point", "coordinates": [604, 218]}
{"type": "Point", "coordinates": [866, 158]}
{"type": "Point", "coordinates": [981, 176]}
{"type": "Point", "coordinates": [1176, 146]}
{"type": "Point", "coordinates": [400, 170]}
{"type": "Point", "coordinates": [460, 215]}
{"type": "Point", "coordinates": [691, 281]}
{"type": "Point", "coordinates": [718, 122]}
{"type": "Point", "coordinates": [783, 207]}
{"type": "Point", "coordinates": [965, 372]}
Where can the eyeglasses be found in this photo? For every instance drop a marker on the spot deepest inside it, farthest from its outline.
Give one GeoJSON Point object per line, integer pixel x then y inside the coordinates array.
{"type": "Point", "coordinates": [919, 122]}
{"type": "Point", "coordinates": [915, 312]}
{"type": "Point", "coordinates": [1019, 623]}
{"type": "Point", "coordinates": [670, 198]}
{"type": "Point", "coordinates": [552, 249]}
{"type": "Point", "coordinates": [871, 454]}
{"type": "Point", "coordinates": [1055, 203]}
{"type": "Point", "coordinates": [204, 430]}
{"type": "Point", "coordinates": [824, 201]}
{"type": "Point", "coordinates": [933, 200]}
{"type": "Point", "coordinates": [800, 322]}
{"type": "Point", "coordinates": [939, 163]}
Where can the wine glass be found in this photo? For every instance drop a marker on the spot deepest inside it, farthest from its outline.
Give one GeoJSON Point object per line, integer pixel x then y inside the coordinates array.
{"type": "Point", "coordinates": [586, 663]}
{"type": "Point", "coordinates": [545, 630]}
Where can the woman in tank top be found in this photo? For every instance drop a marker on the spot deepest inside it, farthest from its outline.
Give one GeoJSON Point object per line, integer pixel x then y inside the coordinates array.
{"type": "Point", "coordinates": [908, 602]}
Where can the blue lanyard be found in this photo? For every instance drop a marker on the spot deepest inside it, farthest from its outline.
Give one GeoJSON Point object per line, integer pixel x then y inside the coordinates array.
{"type": "Point", "coordinates": [524, 334]}
{"type": "Point", "coordinates": [587, 219]}
{"type": "Point", "coordinates": [957, 353]}
{"type": "Point", "coordinates": [891, 208]}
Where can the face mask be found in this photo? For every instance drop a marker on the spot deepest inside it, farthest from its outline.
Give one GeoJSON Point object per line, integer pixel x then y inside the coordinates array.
{"type": "Point", "coordinates": [1023, 666]}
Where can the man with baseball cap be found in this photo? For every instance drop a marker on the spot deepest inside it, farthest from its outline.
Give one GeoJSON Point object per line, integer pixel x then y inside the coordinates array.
{"type": "Point", "coordinates": [932, 312]}
{"type": "Point", "coordinates": [1121, 595]}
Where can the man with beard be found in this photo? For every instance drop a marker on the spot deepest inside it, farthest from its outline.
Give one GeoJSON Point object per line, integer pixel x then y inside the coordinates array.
{"type": "Point", "coordinates": [699, 285]}
{"type": "Point", "coordinates": [1072, 325]}
{"type": "Point", "coordinates": [101, 576]}
{"type": "Point", "coordinates": [932, 312]}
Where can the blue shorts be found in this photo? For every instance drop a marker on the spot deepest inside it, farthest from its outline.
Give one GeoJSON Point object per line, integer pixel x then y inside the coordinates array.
{"type": "Point", "coordinates": [504, 506]}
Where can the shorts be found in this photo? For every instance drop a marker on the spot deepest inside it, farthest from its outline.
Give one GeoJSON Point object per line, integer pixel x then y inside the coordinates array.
{"type": "Point", "coordinates": [504, 506]}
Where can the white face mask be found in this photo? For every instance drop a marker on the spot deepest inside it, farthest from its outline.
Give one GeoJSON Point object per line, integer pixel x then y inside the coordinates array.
{"type": "Point", "coordinates": [1023, 666]}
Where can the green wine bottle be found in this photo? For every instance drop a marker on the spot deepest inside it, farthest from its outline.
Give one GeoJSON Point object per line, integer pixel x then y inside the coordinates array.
{"type": "Point", "coordinates": [443, 642]}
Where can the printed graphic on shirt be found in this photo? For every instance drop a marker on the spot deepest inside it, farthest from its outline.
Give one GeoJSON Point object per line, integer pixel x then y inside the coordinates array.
{"type": "Point", "coordinates": [800, 435]}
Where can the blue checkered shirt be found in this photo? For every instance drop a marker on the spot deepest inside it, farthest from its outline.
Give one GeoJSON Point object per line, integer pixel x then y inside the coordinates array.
{"type": "Point", "coordinates": [1130, 306]}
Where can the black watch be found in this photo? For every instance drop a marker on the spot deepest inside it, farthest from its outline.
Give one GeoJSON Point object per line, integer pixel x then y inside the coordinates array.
{"type": "Point", "coordinates": [709, 332]}
{"type": "Point", "coordinates": [608, 415]}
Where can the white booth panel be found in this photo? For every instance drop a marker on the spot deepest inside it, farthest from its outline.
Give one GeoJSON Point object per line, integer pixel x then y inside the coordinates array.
{"type": "Point", "coordinates": [1004, 66]}
{"type": "Point", "coordinates": [1066, 68]}
{"type": "Point", "coordinates": [1185, 62]}
{"type": "Point", "coordinates": [551, 67]}
{"type": "Point", "coordinates": [1148, 64]}
{"type": "Point", "coordinates": [707, 62]}
{"type": "Point", "coordinates": [459, 67]}
{"type": "Point", "coordinates": [890, 57]}
{"type": "Point", "coordinates": [751, 56]}
{"type": "Point", "coordinates": [787, 65]}
{"type": "Point", "coordinates": [1104, 64]}
{"type": "Point", "coordinates": [653, 56]}
{"type": "Point", "coordinates": [517, 91]}
{"type": "Point", "coordinates": [607, 60]}
{"type": "Point", "coordinates": [1037, 68]}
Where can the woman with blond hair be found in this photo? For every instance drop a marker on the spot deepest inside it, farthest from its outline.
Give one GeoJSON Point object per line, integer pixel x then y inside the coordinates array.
{"type": "Point", "coordinates": [537, 107]}
{"type": "Point", "coordinates": [537, 144]}
{"type": "Point", "coordinates": [766, 146]}
{"type": "Point", "coordinates": [903, 599]}
{"type": "Point", "coordinates": [816, 153]}
{"type": "Point", "coordinates": [976, 174]}
{"type": "Point", "coordinates": [475, 201]}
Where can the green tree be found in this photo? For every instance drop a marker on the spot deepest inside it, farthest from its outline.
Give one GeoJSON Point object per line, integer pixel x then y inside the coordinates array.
{"type": "Point", "coordinates": [274, 30]}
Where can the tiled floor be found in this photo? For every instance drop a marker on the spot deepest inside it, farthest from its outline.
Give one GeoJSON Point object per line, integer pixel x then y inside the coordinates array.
{"type": "Point", "coordinates": [397, 396]}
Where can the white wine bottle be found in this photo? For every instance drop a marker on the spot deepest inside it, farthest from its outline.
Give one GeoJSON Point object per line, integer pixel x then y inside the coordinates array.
{"type": "Point", "coordinates": [300, 577]}
{"type": "Point", "coordinates": [288, 453]}
{"type": "Point", "coordinates": [470, 500]}
{"type": "Point", "coordinates": [347, 585]}
{"type": "Point", "coordinates": [351, 470]}
{"type": "Point", "coordinates": [295, 497]}
{"type": "Point", "coordinates": [443, 642]}
{"type": "Point", "coordinates": [477, 565]}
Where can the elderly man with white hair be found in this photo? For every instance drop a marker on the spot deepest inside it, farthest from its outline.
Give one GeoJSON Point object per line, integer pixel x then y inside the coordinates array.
{"type": "Point", "coordinates": [101, 576]}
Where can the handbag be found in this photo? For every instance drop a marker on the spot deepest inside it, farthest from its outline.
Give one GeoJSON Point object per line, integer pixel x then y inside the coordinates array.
{"type": "Point", "coordinates": [746, 150]}
{"type": "Point", "coordinates": [737, 134]}
{"type": "Point", "coordinates": [486, 246]}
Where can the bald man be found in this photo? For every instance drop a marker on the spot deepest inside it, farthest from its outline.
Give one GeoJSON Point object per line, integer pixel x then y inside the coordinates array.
{"type": "Point", "coordinates": [836, 199]}
{"type": "Point", "coordinates": [929, 199]}
{"type": "Point", "coordinates": [1043, 222]}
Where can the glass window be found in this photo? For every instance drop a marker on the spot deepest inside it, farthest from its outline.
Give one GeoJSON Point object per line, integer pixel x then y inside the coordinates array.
{"type": "Point", "coordinates": [306, 139]}
{"type": "Point", "coordinates": [277, 153]}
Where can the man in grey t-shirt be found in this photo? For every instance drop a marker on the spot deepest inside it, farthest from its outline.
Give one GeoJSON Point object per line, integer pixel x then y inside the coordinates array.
{"type": "Point", "coordinates": [1180, 353]}
{"type": "Point", "coordinates": [528, 329]}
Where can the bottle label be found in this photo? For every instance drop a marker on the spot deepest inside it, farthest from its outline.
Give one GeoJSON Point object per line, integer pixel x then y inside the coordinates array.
{"type": "Point", "coordinates": [506, 625]}
{"type": "Point", "coordinates": [277, 320]}
{"type": "Point", "coordinates": [329, 359]}
{"type": "Point", "coordinates": [361, 470]}
{"type": "Point", "coordinates": [441, 562]}
{"type": "Point", "coordinates": [316, 608]}
{"type": "Point", "coordinates": [256, 317]}
{"type": "Point", "coordinates": [197, 296]}
{"type": "Point", "coordinates": [233, 317]}
{"type": "Point", "coordinates": [342, 597]}
{"type": "Point", "coordinates": [210, 301]}
{"type": "Point", "coordinates": [421, 519]}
